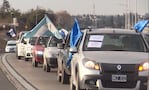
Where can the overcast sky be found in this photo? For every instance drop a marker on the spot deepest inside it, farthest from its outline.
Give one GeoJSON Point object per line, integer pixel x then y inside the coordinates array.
{"type": "Point", "coordinates": [75, 7]}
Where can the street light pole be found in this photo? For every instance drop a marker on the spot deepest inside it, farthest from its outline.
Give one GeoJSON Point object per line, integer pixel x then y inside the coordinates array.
{"type": "Point", "coordinates": [136, 11]}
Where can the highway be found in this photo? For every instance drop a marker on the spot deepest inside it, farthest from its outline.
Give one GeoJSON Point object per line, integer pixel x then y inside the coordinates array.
{"type": "Point", "coordinates": [29, 77]}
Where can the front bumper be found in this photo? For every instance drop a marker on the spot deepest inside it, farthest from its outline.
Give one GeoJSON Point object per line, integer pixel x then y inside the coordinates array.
{"type": "Point", "coordinates": [39, 58]}
{"type": "Point", "coordinates": [141, 84]}
{"type": "Point", "coordinates": [95, 82]}
{"type": "Point", "coordinates": [89, 81]}
{"type": "Point", "coordinates": [28, 55]}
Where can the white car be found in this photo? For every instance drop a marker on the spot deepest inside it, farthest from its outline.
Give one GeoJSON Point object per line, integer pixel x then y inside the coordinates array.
{"type": "Point", "coordinates": [28, 45]}
{"type": "Point", "coordinates": [20, 46]}
{"type": "Point", "coordinates": [50, 54]}
{"type": "Point", "coordinates": [10, 46]}
{"type": "Point", "coordinates": [110, 59]}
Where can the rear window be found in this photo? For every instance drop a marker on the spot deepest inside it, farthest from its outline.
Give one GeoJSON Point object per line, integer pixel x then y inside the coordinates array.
{"type": "Point", "coordinates": [53, 42]}
{"type": "Point", "coordinates": [114, 42]}
{"type": "Point", "coordinates": [42, 40]}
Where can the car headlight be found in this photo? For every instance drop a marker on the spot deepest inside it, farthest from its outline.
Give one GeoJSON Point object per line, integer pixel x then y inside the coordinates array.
{"type": "Point", "coordinates": [144, 66]}
{"type": "Point", "coordinates": [92, 65]}
{"type": "Point", "coordinates": [39, 52]}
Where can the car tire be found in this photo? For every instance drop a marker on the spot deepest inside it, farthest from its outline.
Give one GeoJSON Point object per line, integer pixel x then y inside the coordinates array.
{"type": "Point", "coordinates": [26, 59]}
{"type": "Point", "coordinates": [19, 57]}
{"type": "Point", "coordinates": [47, 68]}
{"type": "Point", "coordinates": [72, 87]}
{"type": "Point", "coordinates": [77, 87]}
{"type": "Point", "coordinates": [64, 77]}
{"type": "Point", "coordinates": [143, 87]}
{"type": "Point", "coordinates": [34, 63]}
{"type": "Point", "coordinates": [58, 75]}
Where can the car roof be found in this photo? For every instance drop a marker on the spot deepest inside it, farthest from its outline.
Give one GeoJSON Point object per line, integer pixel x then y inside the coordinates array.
{"type": "Point", "coordinates": [11, 41]}
{"type": "Point", "coordinates": [111, 30]}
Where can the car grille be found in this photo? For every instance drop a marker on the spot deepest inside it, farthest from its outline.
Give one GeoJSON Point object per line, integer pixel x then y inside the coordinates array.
{"type": "Point", "coordinates": [129, 70]}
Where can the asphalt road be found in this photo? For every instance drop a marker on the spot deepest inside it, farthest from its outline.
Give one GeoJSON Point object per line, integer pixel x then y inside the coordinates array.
{"type": "Point", "coordinates": [32, 77]}
{"type": "Point", "coordinates": [5, 83]}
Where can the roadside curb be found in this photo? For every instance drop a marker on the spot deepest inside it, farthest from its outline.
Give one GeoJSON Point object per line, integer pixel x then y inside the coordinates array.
{"type": "Point", "coordinates": [19, 82]}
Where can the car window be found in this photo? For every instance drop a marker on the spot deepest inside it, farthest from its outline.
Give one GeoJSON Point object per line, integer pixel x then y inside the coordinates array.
{"type": "Point", "coordinates": [53, 42]}
{"type": "Point", "coordinates": [147, 38]}
{"type": "Point", "coordinates": [11, 44]}
{"type": "Point", "coordinates": [32, 40]}
{"type": "Point", "coordinates": [114, 42]}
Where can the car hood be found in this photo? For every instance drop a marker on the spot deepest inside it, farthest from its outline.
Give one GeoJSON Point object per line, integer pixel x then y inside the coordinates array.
{"type": "Point", "coordinates": [117, 57]}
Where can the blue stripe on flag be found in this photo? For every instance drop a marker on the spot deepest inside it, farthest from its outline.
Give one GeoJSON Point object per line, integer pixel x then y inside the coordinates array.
{"type": "Point", "coordinates": [140, 25]}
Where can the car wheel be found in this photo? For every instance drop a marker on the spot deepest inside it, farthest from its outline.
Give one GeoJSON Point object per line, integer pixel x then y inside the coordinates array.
{"type": "Point", "coordinates": [58, 75]}
{"type": "Point", "coordinates": [47, 68]}
{"type": "Point", "coordinates": [19, 57]}
{"type": "Point", "coordinates": [26, 59]}
{"type": "Point", "coordinates": [143, 87]}
{"type": "Point", "coordinates": [34, 63]}
{"type": "Point", "coordinates": [64, 77]}
{"type": "Point", "coordinates": [72, 87]}
{"type": "Point", "coordinates": [77, 83]}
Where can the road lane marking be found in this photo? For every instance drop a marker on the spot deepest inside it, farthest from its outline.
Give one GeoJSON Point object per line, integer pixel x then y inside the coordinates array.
{"type": "Point", "coordinates": [16, 75]}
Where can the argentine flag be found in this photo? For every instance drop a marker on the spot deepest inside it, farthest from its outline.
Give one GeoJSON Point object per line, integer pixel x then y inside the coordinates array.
{"type": "Point", "coordinates": [44, 28]}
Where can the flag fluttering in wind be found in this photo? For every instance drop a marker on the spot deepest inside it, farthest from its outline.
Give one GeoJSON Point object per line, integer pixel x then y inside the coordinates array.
{"type": "Point", "coordinates": [75, 35]}
{"type": "Point", "coordinates": [140, 25]}
{"type": "Point", "coordinates": [11, 33]}
{"type": "Point", "coordinates": [44, 28]}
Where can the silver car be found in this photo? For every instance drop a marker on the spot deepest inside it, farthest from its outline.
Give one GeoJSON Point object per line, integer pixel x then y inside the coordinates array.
{"type": "Point", "coordinates": [110, 59]}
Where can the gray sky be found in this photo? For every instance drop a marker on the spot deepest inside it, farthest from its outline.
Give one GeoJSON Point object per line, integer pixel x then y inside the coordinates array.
{"type": "Point", "coordinates": [75, 7]}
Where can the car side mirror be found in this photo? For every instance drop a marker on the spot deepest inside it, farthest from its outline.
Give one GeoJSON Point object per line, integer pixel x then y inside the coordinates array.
{"type": "Point", "coordinates": [60, 46]}
{"type": "Point", "coordinates": [73, 50]}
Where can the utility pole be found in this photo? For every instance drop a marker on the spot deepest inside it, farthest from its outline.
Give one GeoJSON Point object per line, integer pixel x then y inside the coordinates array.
{"type": "Point", "coordinates": [94, 16]}
{"type": "Point", "coordinates": [136, 11]}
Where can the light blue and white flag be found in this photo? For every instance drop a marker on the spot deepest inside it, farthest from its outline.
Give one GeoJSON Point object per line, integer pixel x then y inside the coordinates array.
{"type": "Point", "coordinates": [140, 25]}
{"type": "Point", "coordinates": [44, 28]}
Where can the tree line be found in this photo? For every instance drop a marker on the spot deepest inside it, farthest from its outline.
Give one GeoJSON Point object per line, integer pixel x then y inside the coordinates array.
{"type": "Point", "coordinates": [60, 19]}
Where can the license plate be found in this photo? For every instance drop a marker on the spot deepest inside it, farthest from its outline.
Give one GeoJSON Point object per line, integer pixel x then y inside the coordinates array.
{"type": "Point", "coordinates": [119, 78]}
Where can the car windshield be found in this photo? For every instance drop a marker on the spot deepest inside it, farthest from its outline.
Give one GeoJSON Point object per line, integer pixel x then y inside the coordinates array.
{"type": "Point", "coordinates": [114, 42]}
{"type": "Point", "coordinates": [11, 44]}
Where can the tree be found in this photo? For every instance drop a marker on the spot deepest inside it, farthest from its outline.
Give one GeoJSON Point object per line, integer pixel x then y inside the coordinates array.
{"type": "Point", "coordinates": [64, 20]}
{"type": "Point", "coordinates": [5, 6]}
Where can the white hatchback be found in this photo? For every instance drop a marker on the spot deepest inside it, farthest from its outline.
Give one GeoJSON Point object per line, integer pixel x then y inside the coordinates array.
{"type": "Point", "coordinates": [10, 46]}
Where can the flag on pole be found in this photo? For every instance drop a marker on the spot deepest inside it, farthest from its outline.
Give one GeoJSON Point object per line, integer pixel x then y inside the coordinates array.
{"type": "Point", "coordinates": [11, 33]}
{"type": "Point", "coordinates": [75, 35]}
{"type": "Point", "coordinates": [140, 25]}
{"type": "Point", "coordinates": [43, 29]}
